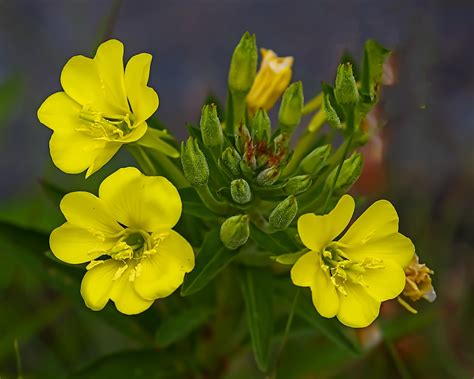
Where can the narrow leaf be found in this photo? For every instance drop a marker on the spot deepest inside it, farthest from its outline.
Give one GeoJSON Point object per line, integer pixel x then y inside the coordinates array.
{"type": "Point", "coordinates": [213, 257]}
{"type": "Point", "coordinates": [257, 290]}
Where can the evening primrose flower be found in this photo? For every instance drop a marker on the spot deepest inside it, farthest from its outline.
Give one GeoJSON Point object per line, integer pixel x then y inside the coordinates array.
{"type": "Point", "coordinates": [350, 277]}
{"type": "Point", "coordinates": [126, 235]}
{"type": "Point", "coordinates": [272, 79]}
{"type": "Point", "coordinates": [101, 108]}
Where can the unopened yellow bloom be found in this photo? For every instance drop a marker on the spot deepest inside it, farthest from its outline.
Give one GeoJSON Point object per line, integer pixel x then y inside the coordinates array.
{"type": "Point", "coordinates": [271, 81]}
{"type": "Point", "coordinates": [102, 107]}
{"type": "Point", "coordinates": [350, 277]}
{"type": "Point", "coordinates": [418, 281]}
{"type": "Point", "coordinates": [126, 235]}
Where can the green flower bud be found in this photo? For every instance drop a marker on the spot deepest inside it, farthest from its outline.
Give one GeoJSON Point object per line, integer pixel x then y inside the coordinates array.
{"type": "Point", "coordinates": [260, 126]}
{"type": "Point", "coordinates": [231, 160]}
{"type": "Point", "coordinates": [346, 91]}
{"type": "Point", "coordinates": [211, 129]}
{"type": "Point", "coordinates": [235, 231]}
{"type": "Point", "coordinates": [350, 172]}
{"type": "Point", "coordinates": [298, 184]}
{"type": "Point", "coordinates": [314, 161]}
{"type": "Point", "coordinates": [268, 176]}
{"type": "Point", "coordinates": [331, 114]}
{"type": "Point", "coordinates": [240, 191]}
{"type": "Point", "coordinates": [284, 213]}
{"type": "Point", "coordinates": [243, 66]}
{"type": "Point", "coordinates": [194, 163]}
{"type": "Point", "coordinates": [291, 107]}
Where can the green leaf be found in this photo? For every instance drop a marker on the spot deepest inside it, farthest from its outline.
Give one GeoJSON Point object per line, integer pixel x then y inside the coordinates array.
{"type": "Point", "coordinates": [331, 328]}
{"type": "Point", "coordinates": [193, 205]}
{"type": "Point", "coordinates": [213, 257]}
{"type": "Point", "coordinates": [257, 289]}
{"type": "Point", "coordinates": [181, 325]}
{"type": "Point", "coordinates": [277, 243]}
{"type": "Point", "coordinates": [134, 364]}
{"type": "Point", "coordinates": [372, 67]}
{"type": "Point", "coordinates": [153, 139]}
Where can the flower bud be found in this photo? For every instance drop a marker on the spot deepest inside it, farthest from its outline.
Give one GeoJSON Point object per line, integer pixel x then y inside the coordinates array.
{"type": "Point", "coordinates": [243, 66]}
{"type": "Point", "coordinates": [291, 107]}
{"type": "Point", "coordinates": [242, 138]}
{"type": "Point", "coordinates": [211, 130]}
{"type": "Point", "coordinates": [272, 79]}
{"type": "Point", "coordinates": [314, 161]}
{"type": "Point", "coordinates": [268, 176]}
{"type": "Point", "coordinates": [331, 114]}
{"type": "Point", "coordinates": [240, 191]}
{"type": "Point", "coordinates": [235, 231]}
{"type": "Point", "coordinates": [194, 163]}
{"type": "Point", "coordinates": [298, 184]}
{"type": "Point", "coordinates": [231, 160]}
{"type": "Point", "coordinates": [284, 213]}
{"type": "Point", "coordinates": [346, 91]}
{"type": "Point", "coordinates": [350, 172]}
{"type": "Point", "coordinates": [260, 126]}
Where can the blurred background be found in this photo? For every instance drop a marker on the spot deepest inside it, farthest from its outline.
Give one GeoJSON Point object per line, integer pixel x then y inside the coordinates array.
{"type": "Point", "coordinates": [423, 163]}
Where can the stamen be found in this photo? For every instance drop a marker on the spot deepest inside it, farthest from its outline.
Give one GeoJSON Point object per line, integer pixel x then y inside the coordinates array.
{"type": "Point", "coordinates": [120, 271]}
{"type": "Point", "coordinates": [104, 128]}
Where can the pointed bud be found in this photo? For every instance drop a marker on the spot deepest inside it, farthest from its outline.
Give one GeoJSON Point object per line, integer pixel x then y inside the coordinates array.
{"type": "Point", "coordinates": [346, 91]}
{"type": "Point", "coordinates": [211, 130]}
{"type": "Point", "coordinates": [235, 231]}
{"type": "Point", "coordinates": [231, 160]}
{"type": "Point", "coordinates": [350, 172]}
{"type": "Point", "coordinates": [284, 213]}
{"type": "Point", "coordinates": [268, 176]}
{"type": "Point", "coordinates": [314, 161]}
{"type": "Point", "coordinates": [331, 114]}
{"type": "Point", "coordinates": [260, 126]}
{"type": "Point", "coordinates": [243, 66]}
{"type": "Point", "coordinates": [242, 138]}
{"type": "Point", "coordinates": [291, 107]}
{"type": "Point", "coordinates": [298, 184]}
{"type": "Point", "coordinates": [194, 163]}
{"type": "Point", "coordinates": [240, 191]}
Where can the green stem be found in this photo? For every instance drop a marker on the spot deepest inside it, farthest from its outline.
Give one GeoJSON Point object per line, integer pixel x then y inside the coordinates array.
{"type": "Point", "coordinates": [397, 360]}
{"type": "Point", "coordinates": [286, 333]}
{"type": "Point", "coordinates": [350, 126]}
{"type": "Point", "coordinates": [210, 201]}
{"type": "Point", "coordinates": [238, 110]}
{"type": "Point", "coordinates": [142, 159]}
{"type": "Point", "coordinates": [19, 366]}
{"type": "Point", "coordinates": [173, 173]}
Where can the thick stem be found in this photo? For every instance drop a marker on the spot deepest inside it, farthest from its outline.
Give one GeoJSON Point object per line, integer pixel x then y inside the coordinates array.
{"type": "Point", "coordinates": [210, 201]}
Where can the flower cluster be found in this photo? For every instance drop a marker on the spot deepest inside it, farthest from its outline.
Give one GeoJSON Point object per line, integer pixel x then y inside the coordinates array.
{"type": "Point", "coordinates": [237, 175]}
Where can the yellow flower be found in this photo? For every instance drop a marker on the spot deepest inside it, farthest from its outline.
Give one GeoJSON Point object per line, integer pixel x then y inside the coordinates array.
{"type": "Point", "coordinates": [350, 277]}
{"type": "Point", "coordinates": [102, 107]}
{"type": "Point", "coordinates": [271, 80]}
{"type": "Point", "coordinates": [126, 235]}
{"type": "Point", "coordinates": [418, 281]}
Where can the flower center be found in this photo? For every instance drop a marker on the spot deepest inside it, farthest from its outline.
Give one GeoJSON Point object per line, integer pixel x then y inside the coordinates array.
{"type": "Point", "coordinates": [104, 128]}
{"type": "Point", "coordinates": [341, 268]}
{"type": "Point", "coordinates": [133, 244]}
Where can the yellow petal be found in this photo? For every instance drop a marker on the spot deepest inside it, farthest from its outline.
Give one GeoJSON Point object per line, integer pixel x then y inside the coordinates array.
{"type": "Point", "coordinates": [104, 155]}
{"type": "Point", "coordinates": [324, 294]}
{"type": "Point", "coordinates": [86, 81]}
{"type": "Point", "coordinates": [60, 112]}
{"type": "Point", "coordinates": [304, 270]}
{"type": "Point", "coordinates": [357, 309]}
{"type": "Point", "coordinates": [143, 202]}
{"type": "Point", "coordinates": [379, 220]}
{"type": "Point", "coordinates": [385, 283]}
{"type": "Point", "coordinates": [109, 61]}
{"type": "Point", "coordinates": [73, 152]}
{"type": "Point", "coordinates": [87, 211]}
{"type": "Point", "coordinates": [137, 132]}
{"type": "Point", "coordinates": [125, 297]}
{"type": "Point", "coordinates": [163, 272]}
{"type": "Point", "coordinates": [73, 244]}
{"type": "Point", "coordinates": [317, 231]}
{"type": "Point", "coordinates": [98, 282]}
{"type": "Point", "coordinates": [143, 99]}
